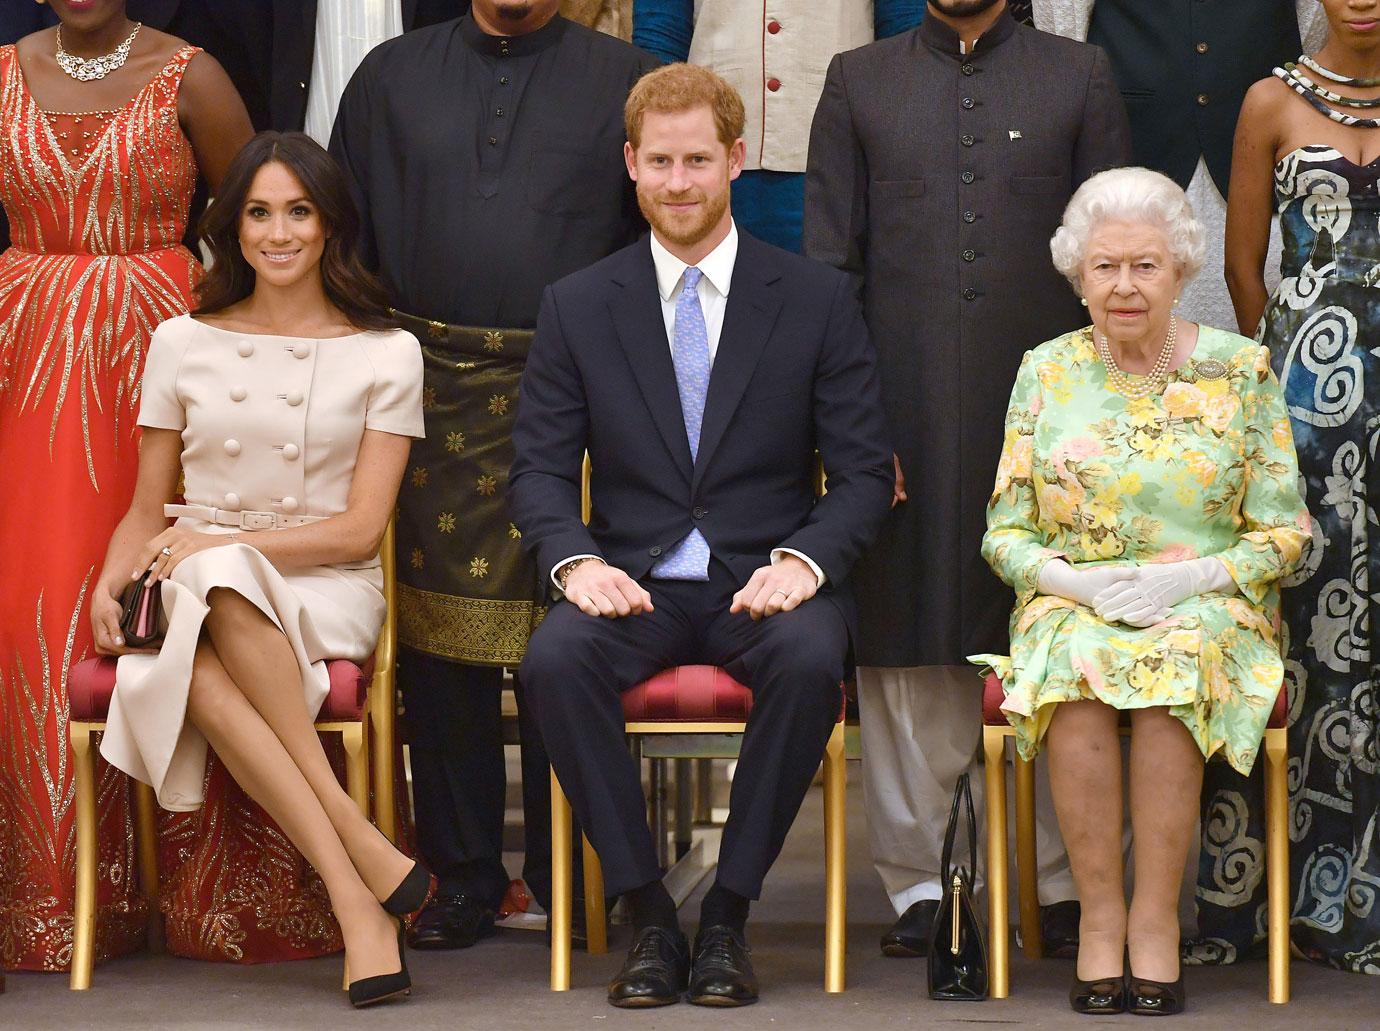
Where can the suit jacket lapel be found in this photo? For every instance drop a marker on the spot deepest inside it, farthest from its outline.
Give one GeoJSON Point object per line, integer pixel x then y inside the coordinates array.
{"type": "Point", "coordinates": [753, 305]}
{"type": "Point", "coordinates": [642, 333]}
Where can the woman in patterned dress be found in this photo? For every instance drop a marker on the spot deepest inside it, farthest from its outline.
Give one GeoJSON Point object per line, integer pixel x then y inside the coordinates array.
{"type": "Point", "coordinates": [100, 144]}
{"type": "Point", "coordinates": [1308, 148]}
{"type": "Point", "coordinates": [1144, 509]}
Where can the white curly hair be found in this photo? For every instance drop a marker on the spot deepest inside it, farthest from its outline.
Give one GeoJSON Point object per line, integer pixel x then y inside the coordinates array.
{"type": "Point", "coordinates": [1128, 195]}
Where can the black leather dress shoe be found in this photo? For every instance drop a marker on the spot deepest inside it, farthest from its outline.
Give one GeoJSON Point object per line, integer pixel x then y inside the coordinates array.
{"type": "Point", "coordinates": [721, 971]}
{"type": "Point", "coordinates": [910, 934]}
{"type": "Point", "coordinates": [1059, 929]}
{"type": "Point", "coordinates": [1103, 997]}
{"type": "Point", "coordinates": [655, 971]}
{"type": "Point", "coordinates": [1155, 998]}
{"type": "Point", "coordinates": [453, 921]}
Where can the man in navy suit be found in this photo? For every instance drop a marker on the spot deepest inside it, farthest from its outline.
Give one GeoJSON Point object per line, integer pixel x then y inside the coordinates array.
{"type": "Point", "coordinates": [701, 369]}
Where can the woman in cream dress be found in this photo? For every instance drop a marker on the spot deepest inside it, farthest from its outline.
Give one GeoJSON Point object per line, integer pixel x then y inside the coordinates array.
{"type": "Point", "coordinates": [288, 404]}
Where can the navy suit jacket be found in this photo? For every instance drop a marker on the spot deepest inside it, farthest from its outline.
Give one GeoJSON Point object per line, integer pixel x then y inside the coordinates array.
{"type": "Point", "coordinates": [794, 373]}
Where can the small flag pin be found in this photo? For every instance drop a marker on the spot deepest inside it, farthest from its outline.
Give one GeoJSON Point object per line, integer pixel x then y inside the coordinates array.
{"type": "Point", "coordinates": [1015, 134]}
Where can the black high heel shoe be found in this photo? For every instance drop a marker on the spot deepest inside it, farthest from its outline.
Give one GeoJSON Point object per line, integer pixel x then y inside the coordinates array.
{"type": "Point", "coordinates": [1156, 998]}
{"type": "Point", "coordinates": [1103, 996]}
{"type": "Point", "coordinates": [409, 895]}
{"type": "Point", "coordinates": [370, 990]}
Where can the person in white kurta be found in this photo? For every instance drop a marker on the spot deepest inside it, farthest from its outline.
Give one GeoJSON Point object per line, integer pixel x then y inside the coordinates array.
{"type": "Point", "coordinates": [269, 424]}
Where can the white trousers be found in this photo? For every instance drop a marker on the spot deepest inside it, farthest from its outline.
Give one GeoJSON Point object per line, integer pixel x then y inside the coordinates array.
{"type": "Point", "coordinates": [920, 731]}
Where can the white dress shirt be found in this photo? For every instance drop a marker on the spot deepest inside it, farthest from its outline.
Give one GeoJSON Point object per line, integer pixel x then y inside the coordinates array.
{"type": "Point", "coordinates": [346, 30]}
{"type": "Point", "coordinates": [715, 282]}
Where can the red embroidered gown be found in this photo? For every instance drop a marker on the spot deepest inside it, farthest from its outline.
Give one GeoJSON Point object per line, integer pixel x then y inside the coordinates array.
{"type": "Point", "coordinates": [97, 204]}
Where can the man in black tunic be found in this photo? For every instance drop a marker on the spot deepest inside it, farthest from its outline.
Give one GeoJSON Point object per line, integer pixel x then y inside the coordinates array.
{"type": "Point", "coordinates": [940, 164]}
{"type": "Point", "coordinates": [486, 157]}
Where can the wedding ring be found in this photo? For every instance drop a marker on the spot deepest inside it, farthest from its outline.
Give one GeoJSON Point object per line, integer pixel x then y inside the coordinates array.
{"type": "Point", "coordinates": [775, 593]}
{"type": "Point", "coordinates": [166, 551]}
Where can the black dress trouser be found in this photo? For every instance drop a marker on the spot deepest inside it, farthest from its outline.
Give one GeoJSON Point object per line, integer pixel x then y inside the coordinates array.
{"type": "Point", "coordinates": [453, 717]}
{"type": "Point", "coordinates": [577, 666]}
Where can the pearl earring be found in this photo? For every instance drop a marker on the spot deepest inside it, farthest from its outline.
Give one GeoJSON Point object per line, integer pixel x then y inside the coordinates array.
{"type": "Point", "coordinates": [1083, 301]}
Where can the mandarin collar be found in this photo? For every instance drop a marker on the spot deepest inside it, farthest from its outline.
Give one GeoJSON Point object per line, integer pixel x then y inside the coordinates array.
{"type": "Point", "coordinates": [938, 36]}
{"type": "Point", "coordinates": [511, 46]}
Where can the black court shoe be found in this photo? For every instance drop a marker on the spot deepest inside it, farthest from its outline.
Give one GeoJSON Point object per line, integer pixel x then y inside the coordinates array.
{"type": "Point", "coordinates": [1155, 998]}
{"type": "Point", "coordinates": [1102, 997]}
{"type": "Point", "coordinates": [370, 990]}
{"type": "Point", "coordinates": [409, 895]}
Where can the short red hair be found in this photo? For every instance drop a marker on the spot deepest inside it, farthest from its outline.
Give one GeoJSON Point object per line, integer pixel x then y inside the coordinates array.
{"type": "Point", "coordinates": [673, 88]}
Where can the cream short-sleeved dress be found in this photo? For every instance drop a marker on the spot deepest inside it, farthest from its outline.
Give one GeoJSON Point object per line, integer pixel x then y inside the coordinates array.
{"type": "Point", "coordinates": [268, 424]}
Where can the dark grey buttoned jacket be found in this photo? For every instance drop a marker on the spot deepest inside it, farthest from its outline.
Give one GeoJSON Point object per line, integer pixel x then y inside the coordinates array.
{"type": "Point", "coordinates": [938, 179]}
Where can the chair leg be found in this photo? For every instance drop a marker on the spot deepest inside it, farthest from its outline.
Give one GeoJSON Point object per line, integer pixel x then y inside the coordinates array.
{"type": "Point", "coordinates": [994, 756]}
{"type": "Point", "coordinates": [383, 711]}
{"type": "Point", "coordinates": [1277, 859]}
{"type": "Point", "coordinates": [596, 922]}
{"type": "Point", "coordinates": [835, 862]}
{"type": "Point", "coordinates": [146, 840]}
{"type": "Point", "coordinates": [559, 917]}
{"type": "Point", "coordinates": [1027, 864]}
{"type": "Point", "coordinates": [356, 766]}
{"type": "Point", "coordinates": [84, 927]}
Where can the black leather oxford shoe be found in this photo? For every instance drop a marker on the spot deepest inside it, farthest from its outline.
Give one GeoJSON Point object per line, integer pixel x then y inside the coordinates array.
{"type": "Point", "coordinates": [655, 971]}
{"type": "Point", "coordinates": [721, 971]}
{"type": "Point", "coordinates": [452, 921]}
{"type": "Point", "coordinates": [910, 934]}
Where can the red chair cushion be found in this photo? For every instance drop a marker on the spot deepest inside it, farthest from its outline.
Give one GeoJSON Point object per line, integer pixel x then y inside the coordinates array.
{"type": "Point", "coordinates": [993, 716]}
{"type": "Point", "coordinates": [699, 694]}
{"type": "Point", "coordinates": [91, 683]}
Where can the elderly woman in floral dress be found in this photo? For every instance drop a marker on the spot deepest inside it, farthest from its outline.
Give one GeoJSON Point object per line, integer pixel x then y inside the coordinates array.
{"type": "Point", "coordinates": [1145, 507]}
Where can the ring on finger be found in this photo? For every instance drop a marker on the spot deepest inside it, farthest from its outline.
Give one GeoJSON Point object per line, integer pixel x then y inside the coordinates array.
{"type": "Point", "coordinates": [775, 593]}
{"type": "Point", "coordinates": [166, 551]}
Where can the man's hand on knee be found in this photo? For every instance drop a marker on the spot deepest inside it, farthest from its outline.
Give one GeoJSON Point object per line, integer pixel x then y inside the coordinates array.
{"type": "Point", "coordinates": [600, 590]}
{"type": "Point", "coordinates": [779, 588]}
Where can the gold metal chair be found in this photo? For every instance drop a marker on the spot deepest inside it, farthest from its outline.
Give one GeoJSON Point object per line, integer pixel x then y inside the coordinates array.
{"type": "Point", "coordinates": [996, 730]}
{"type": "Point", "coordinates": [90, 686]}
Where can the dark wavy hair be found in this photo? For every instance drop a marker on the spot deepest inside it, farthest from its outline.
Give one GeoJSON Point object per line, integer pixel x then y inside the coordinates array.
{"type": "Point", "coordinates": [352, 288]}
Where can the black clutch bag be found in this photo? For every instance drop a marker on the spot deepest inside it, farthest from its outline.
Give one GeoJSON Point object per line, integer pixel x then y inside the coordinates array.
{"type": "Point", "coordinates": [958, 947]}
{"type": "Point", "coordinates": [141, 613]}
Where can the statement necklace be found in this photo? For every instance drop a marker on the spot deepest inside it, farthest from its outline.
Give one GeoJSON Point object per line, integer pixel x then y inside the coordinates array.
{"type": "Point", "coordinates": [1152, 383]}
{"type": "Point", "coordinates": [85, 69]}
{"type": "Point", "coordinates": [1319, 98]}
{"type": "Point", "coordinates": [1332, 76]}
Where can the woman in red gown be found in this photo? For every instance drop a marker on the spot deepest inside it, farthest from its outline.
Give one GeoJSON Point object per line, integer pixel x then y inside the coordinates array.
{"type": "Point", "coordinates": [100, 145]}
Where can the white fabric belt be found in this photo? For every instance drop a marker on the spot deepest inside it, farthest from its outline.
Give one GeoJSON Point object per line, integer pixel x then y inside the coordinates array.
{"type": "Point", "coordinates": [243, 520]}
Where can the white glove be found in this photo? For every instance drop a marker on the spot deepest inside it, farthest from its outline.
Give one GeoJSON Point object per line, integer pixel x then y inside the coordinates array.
{"type": "Point", "coordinates": [1081, 585]}
{"type": "Point", "coordinates": [1156, 588]}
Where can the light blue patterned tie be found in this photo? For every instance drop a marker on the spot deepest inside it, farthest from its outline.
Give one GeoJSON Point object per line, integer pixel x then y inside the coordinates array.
{"type": "Point", "coordinates": [689, 560]}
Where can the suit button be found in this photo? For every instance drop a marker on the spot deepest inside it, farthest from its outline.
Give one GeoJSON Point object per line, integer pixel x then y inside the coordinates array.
{"type": "Point", "coordinates": [969, 217]}
{"type": "Point", "coordinates": [289, 504]}
{"type": "Point", "coordinates": [232, 501]}
{"type": "Point", "coordinates": [967, 68]}
{"type": "Point", "coordinates": [1202, 48]}
{"type": "Point", "coordinates": [773, 84]}
{"type": "Point", "coordinates": [967, 177]}
{"type": "Point", "coordinates": [968, 103]}
{"type": "Point", "coordinates": [967, 139]}
{"type": "Point", "coordinates": [245, 348]}
{"type": "Point", "coordinates": [232, 447]}
{"type": "Point", "coordinates": [970, 294]}
{"type": "Point", "coordinates": [294, 398]}
{"type": "Point", "coordinates": [773, 26]}
{"type": "Point", "coordinates": [1202, 100]}
{"type": "Point", "coordinates": [301, 350]}
{"type": "Point", "coordinates": [654, 552]}
{"type": "Point", "coordinates": [291, 451]}
{"type": "Point", "coordinates": [238, 393]}
{"type": "Point", "coordinates": [970, 255]}
{"type": "Point", "coordinates": [699, 512]}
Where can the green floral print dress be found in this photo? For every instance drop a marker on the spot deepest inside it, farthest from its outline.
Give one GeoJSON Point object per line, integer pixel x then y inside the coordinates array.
{"type": "Point", "coordinates": [1206, 468]}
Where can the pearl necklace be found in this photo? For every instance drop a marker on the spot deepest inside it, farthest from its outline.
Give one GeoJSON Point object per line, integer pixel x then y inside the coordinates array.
{"type": "Point", "coordinates": [1152, 383]}
{"type": "Point", "coordinates": [85, 69]}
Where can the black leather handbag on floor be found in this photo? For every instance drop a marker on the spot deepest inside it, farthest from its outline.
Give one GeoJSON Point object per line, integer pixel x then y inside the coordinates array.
{"type": "Point", "coordinates": [958, 946]}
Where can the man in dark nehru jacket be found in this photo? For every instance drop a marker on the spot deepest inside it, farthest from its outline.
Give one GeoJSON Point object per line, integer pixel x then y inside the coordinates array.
{"type": "Point", "coordinates": [940, 164]}
{"type": "Point", "coordinates": [701, 369]}
{"type": "Point", "coordinates": [486, 156]}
